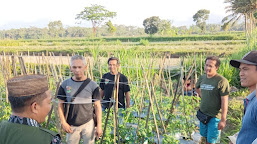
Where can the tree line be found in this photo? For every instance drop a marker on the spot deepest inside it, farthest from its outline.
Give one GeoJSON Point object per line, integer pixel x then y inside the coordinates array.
{"type": "Point", "coordinates": [102, 25]}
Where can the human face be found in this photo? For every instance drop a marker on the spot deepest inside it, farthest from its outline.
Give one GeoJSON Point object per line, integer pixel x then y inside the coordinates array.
{"type": "Point", "coordinates": [210, 68]}
{"type": "Point", "coordinates": [78, 68]}
{"type": "Point", "coordinates": [113, 66]}
{"type": "Point", "coordinates": [248, 76]}
{"type": "Point", "coordinates": [43, 108]}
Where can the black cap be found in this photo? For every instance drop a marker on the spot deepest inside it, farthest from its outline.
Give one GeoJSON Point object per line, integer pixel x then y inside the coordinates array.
{"type": "Point", "coordinates": [249, 58]}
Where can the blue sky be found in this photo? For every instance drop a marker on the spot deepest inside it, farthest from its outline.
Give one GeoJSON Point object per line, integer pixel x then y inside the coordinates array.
{"type": "Point", "coordinates": [38, 13]}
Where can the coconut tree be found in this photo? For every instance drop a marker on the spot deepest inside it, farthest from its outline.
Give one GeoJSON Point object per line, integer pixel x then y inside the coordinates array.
{"type": "Point", "coordinates": [241, 9]}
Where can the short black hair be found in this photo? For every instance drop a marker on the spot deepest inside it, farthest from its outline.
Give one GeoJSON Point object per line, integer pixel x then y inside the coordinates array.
{"type": "Point", "coordinates": [113, 58]}
{"type": "Point", "coordinates": [184, 78]}
{"type": "Point", "coordinates": [214, 58]}
{"type": "Point", "coordinates": [18, 104]}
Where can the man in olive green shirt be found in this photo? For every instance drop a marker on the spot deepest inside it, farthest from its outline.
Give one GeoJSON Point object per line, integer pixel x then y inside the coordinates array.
{"type": "Point", "coordinates": [213, 90]}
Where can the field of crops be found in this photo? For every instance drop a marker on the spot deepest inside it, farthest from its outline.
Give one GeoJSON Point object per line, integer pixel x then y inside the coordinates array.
{"type": "Point", "coordinates": [159, 112]}
{"type": "Point", "coordinates": [174, 46]}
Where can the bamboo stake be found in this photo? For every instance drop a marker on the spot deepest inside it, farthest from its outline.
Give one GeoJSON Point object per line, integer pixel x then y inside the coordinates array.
{"type": "Point", "coordinates": [14, 66]}
{"type": "Point", "coordinates": [140, 109]}
{"type": "Point", "coordinates": [116, 106]}
{"type": "Point", "coordinates": [174, 99]}
{"type": "Point", "coordinates": [108, 113]}
{"type": "Point", "coordinates": [28, 63]}
{"type": "Point", "coordinates": [114, 120]}
{"type": "Point", "coordinates": [151, 101]}
{"type": "Point", "coordinates": [54, 104]}
{"type": "Point", "coordinates": [23, 68]}
{"type": "Point", "coordinates": [201, 64]}
{"type": "Point", "coordinates": [157, 106]}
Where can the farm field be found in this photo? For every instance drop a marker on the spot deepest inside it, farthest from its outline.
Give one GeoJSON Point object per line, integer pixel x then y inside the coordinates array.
{"type": "Point", "coordinates": [159, 112]}
{"type": "Point", "coordinates": [106, 46]}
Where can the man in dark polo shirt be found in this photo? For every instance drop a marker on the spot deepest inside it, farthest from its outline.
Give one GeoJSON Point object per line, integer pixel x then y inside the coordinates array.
{"type": "Point", "coordinates": [107, 83]}
{"type": "Point", "coordinates": [79, 123]}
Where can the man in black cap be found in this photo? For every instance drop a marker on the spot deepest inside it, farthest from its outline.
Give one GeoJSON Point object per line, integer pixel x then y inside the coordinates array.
{"type": "Point", "coordinates": [30, 102]}
{"type": "Point", "coordinates": [248, 78]}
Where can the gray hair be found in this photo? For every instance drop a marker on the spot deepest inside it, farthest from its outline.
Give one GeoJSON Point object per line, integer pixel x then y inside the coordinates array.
{"type": "Point", "coordinates": [78, 57]}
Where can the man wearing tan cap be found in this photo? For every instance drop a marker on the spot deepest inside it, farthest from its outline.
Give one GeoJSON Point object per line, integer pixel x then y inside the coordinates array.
{"type": "Point", "coordinates": [76, 107]}
{"type": "Point", "coordinates": [30, 102]}
{"type": "Point", "coordinates": [248, 78]}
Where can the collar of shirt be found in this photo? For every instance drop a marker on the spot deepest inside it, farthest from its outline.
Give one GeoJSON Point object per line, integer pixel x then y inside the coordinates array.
{"type": "Point", "coordinates": [23, 120]}
{"type": "Point", "coordinates": [251, 95]}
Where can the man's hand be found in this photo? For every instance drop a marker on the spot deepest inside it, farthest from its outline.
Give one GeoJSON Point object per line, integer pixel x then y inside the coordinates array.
{"type": "Point", "coordinates": [98, 132]}
{"type": "Point", "coordinates": [221, 125]}
{"type": "Point", "coordinates": [66, 127]}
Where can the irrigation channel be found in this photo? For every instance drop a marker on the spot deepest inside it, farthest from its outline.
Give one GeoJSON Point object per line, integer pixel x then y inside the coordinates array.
{"type": "Point", "coordinates": [159, 111]}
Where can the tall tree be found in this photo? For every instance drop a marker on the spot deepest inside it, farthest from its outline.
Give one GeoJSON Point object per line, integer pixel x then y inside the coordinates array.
{"type": "Point", "coordinates": [151, 25]}
{"type": "Point", "coordinates": [56, 29]}
{"type": "Point", "coordinates": [241, 9]}
{"type": "Point", "coordinates": [111, 29]}
{"type": "Point", "coordinates": [165, 27]}
{"type": "Point", "coordinates": [200, 18]}
{"type": "Point", "coordinates": [97, 14]}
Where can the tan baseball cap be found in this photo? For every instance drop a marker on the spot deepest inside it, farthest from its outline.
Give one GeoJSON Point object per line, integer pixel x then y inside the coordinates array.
{"type": "Point", "coordinates": [27, 85]}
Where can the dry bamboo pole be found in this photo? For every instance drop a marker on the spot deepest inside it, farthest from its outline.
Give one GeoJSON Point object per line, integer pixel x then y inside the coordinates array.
{"type": "Point", "coordinates": [8, 67]}
{"type": "Point", "coordinates": [195, 74]}
{"type": "Point", "coordinates": [201, 64]}
{"type": "Point", "coordinates": [35, 65]}
{"type": "Point", "coordinates": [14, 65]}
{"type": "Point", "coordinates": [44, 63]}
{"type": "Point", "coordinates": [60, 66]}
{"type": "Point", "coordinates": [68, 58]}
{"type": "Point", "coordinates": [4, 76]}
{"type": "Point", "coordinates": [174, 99]}
{"type": "Point", "coordinates": [28, 63]}
{"type": "Point", "coordinates": [151, 101]}
{"type": "Point", "coordinates": [23, 68]}
{"type": "Point", "coordinates": [116, 107]}
{"type": "Point", "coordinates": [170, 83]}
{"type": "Point", "coordinates": [114, 120]}
{"type": "Point", "coordinates": [182, 91]}
{"type": "Point", "coordinates": [47, 65]}
{"type": "Point", "coordinates": [183, 82]}
{"type": "Point", "coordinates": [91, 70]}
{"type": "Point", "coordinates": [53, 105]}
{"type": "Point", "coordinates": [39, 63]}
{"type": "Point", "coordinates": [109, 108]}
{"type": "Point", "coordinates": [53, 71]}
{"type": "Point", "coordinates": [160, 76]}
{"type": "Point", "coordinates": [140, 107]}
{"type": "Point", "coordinates": [156, 103]}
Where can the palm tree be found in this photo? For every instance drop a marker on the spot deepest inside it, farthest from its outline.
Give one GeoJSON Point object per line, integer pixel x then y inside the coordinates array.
{"type": "Point", "coordinates": [240, 9]}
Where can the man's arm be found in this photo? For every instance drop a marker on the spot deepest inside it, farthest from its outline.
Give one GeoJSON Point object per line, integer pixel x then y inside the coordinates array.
{"type": "Point", "coordinates": [101, 93]}
{"type": "Point", "coordinates": [98, 110]}
{"type": "Point", "coordinates": [198, 90]}
{"type": "Point", "coordinates": [224, 110]}
{"type": "Point", "coordinates": [66, 127]}
{"type": "Point", "coordinates": [127, 99]}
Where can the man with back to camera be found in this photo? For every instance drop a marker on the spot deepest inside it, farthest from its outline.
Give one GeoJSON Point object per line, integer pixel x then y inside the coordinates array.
{"type": "Point", "coordinates": [30, 102]}
{"type": "Point", "coordinates": [79, 123]}
{"type": "Point", "coordinates": [213, 90]}
{"type": "Point", "coordinates": [248, 78]}
{"type": "Point", "coordinates": [107, 83]}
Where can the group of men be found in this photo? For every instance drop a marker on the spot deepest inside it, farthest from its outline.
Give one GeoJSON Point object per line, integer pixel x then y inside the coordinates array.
{"type": "Point", "coordinates": [79, 96]}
